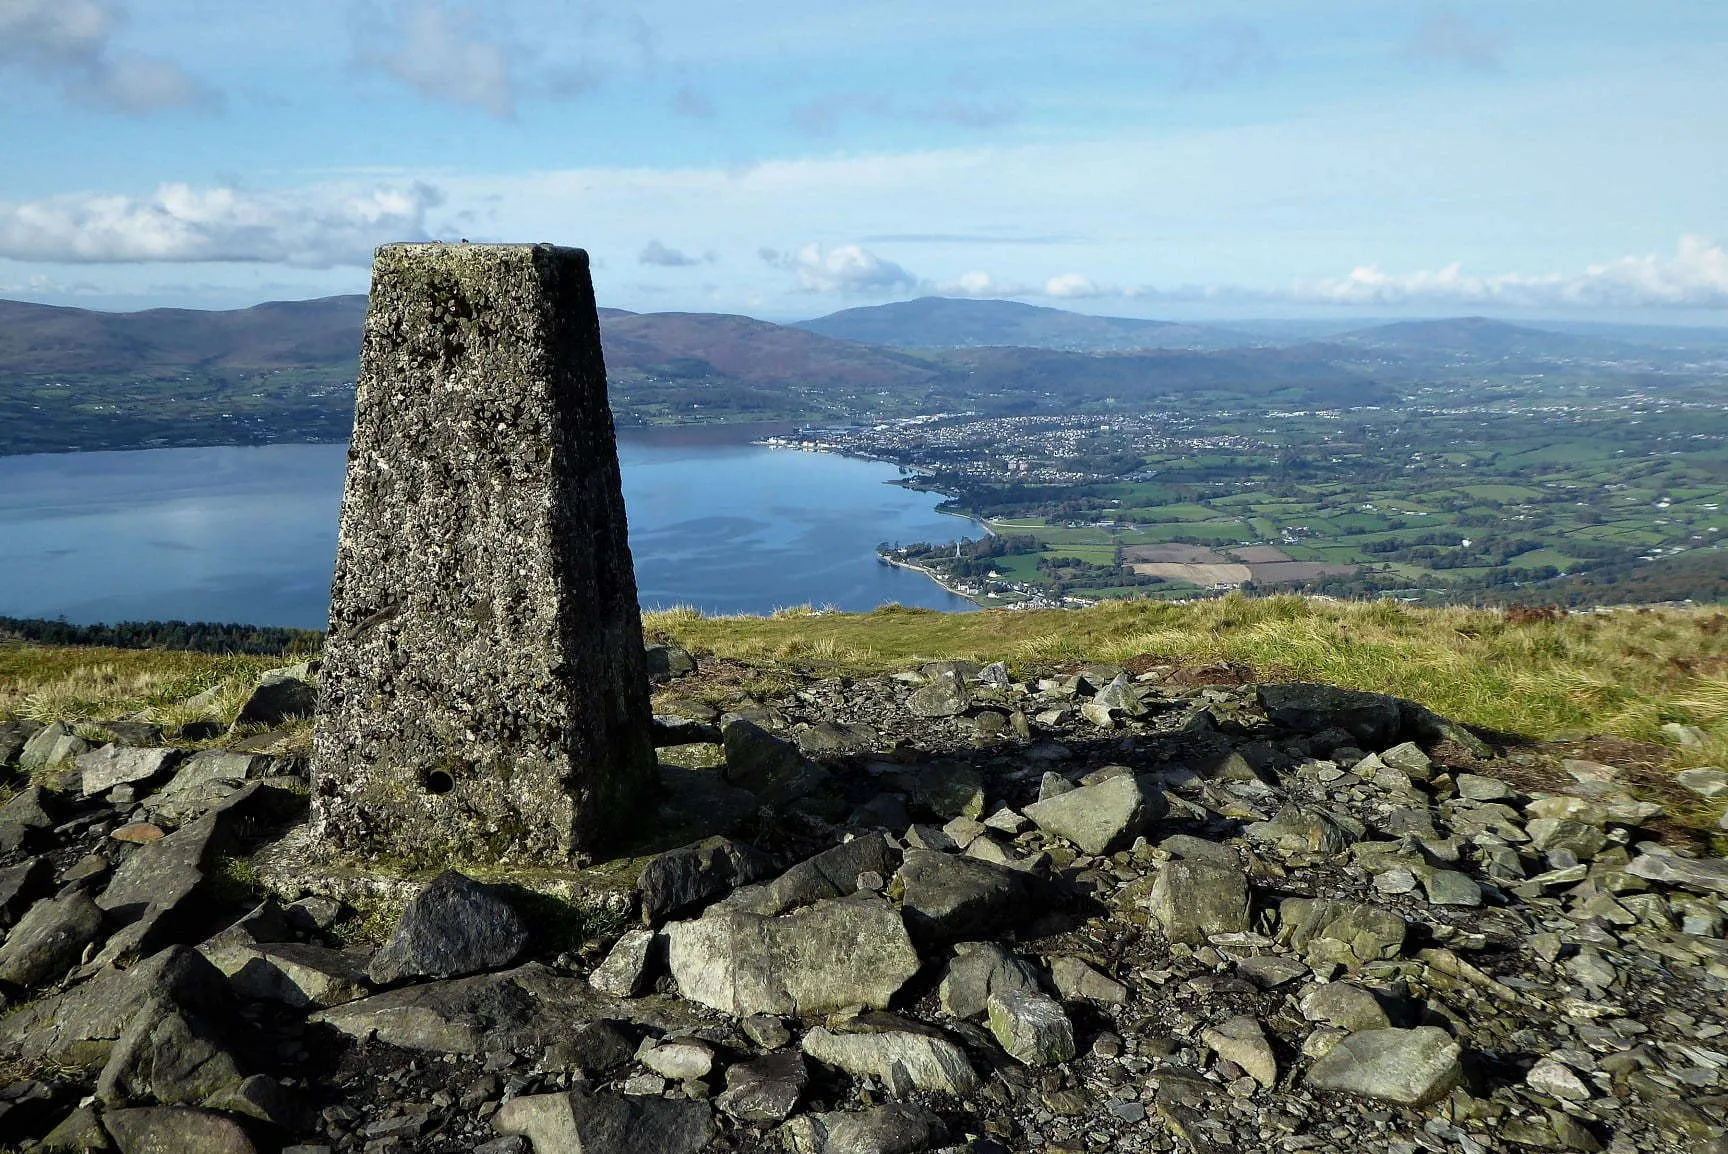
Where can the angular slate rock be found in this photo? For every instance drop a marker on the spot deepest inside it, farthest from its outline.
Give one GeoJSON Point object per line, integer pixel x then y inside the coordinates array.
{"type": "Point", "coordinates": [103, 769]}
{"type": "Point", "coordinates": [175, 1130]}
{"type": "Point", "coordinates": [455, 926]}
{"type": "Point", "coordinates": [1700, 875]}
{"type": "Point", "coordinates": [690, 876]}
{"type": "Point", "coordinates": [49, 939]}
{"type": "Point", "coordinates": [946, 898]}
{"type": "Point", "coordinates": [623, 972]}
{"type": "Point", "coordinates": [978, 970]}
{"type": "Point", "coordinates": [833, 873]}
{"type": "Point", "coordinates": [1346, 933]}
{"type": "Point", "coordinates": [1031, 1027]}
{"type": "Point", "coordinates": [606, 1123]}
{"type": "Point", "coordinates": [901, 1060]}
{"type": "Point", "coordinates": [1097, 817]}
{"type": "Point", "coordinates": [770, 767]}
{"type": "Point", "coordinates": [765, 1090]}
{"type": "Point", "coordinates": [817, 960]}
{"type": "Point", "coordinates": [1374, 719]}
{"type": "Point", "coordinates": [894, 1128]}
{"type": "Point", "coordinates": [1194, 898]}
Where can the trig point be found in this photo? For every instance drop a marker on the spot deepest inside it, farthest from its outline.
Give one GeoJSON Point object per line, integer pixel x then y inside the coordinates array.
{"type": "Point", "coordinates": [484, 695]}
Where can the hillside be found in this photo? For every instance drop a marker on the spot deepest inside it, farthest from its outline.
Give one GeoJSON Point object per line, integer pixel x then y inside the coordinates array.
{"type": "Point", "coordinates": [1482, 339]}
{"type": "Point", "coordinates": [949, 322]}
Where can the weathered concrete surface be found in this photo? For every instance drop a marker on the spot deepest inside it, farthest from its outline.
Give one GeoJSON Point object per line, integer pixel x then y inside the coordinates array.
{"type": "Point", "coordinates": [484, 693]}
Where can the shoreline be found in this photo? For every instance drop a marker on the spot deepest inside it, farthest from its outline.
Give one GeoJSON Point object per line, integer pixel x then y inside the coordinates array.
{"type": "Point", "coordinates": [931, 573]}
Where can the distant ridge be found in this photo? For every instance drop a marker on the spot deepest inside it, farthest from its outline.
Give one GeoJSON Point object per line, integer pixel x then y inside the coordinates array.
{"type": "Point", "coordinates": [1487, 339]}
{"type": "Point", "coordinates": [961, 322]}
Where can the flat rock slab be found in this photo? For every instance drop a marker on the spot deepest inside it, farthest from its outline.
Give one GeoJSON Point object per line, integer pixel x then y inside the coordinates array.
{"type": "Point", "coordinates": [1701, 875]}
{"type": "Point", "coordinates": [175, 1130]}
{"type": "Point", "coordinates": [902, 1060]}
{"type": "Point", "coordinates": [1194, 898]}
{"type": "Point", "coordinates": [1405, 1067]}
{"type": "Point", "coordinates": [816, 960]}
{"type": "Point", "coordinates": [520, 1008]}
{"type": "Point", "coordinates": [946, 898]}
{"type": "Point", "coordinates": [103, 769]}
{"type": "Point", "coordinates": [894, 1128]}
{"type": "Point", "coordinates": [48, 940]}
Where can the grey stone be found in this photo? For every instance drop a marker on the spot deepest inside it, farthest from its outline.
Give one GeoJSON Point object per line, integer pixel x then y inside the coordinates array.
{"type": "Point", "coordinates": [1344, 1006]}
{"type": "Point", "coordinates": [1449, 887]}
{"type": "Point", "coordinates": [690, 876]}
{"type": "Point", "coordinates": [513, 1010]}
{"type": "Point", "coordinates": [945, 898]}
{"type": "Point", "coordinates": [1705, 782]}
{"type": "Point", "coordinates": [79, 1026]}
{"type": "Point", "coordinates": [576, 1122]}
{"type": "Point", "coordinates": [297, 974]}
{"type": "Point", "coordinates": [667, 662]}
{"type": "Point", "coordinates": [1240, 1039]}
{"type": "Point", "coordinates": [1077, 981]}
{"type": "Point", "coordinates": [948, 790]}
{"type": "Point", "coordinates": [1096, 817]}
{"type": "Point", "coordinates": [681, 1059]}
{"type": "Point", "coordinates": [455, 926]}
{"type": "Point", "coordinates": [50, 745]}
{"type": "Point", "coordinates": [1557, 1081]}
{"type": "Point", "coordinates": [1373, 719]}
{"type": "Point", "coordinates": [31, 808]}
{"type": "Point", "coordinates": [1404, 1067]}
{"type": "Point", "coordinates": [1298, 829]}
{"type": "Point", "coordinates": [175, 1130]}
{"type": "Point", "coordinates": [816, 960]}
{"type": "Point", "coordinates": [164, 1057]}
{"type": "Point", "coordinates": [944, 696]}
{"type": "Point", "coordinates": [102, 769]}
{"type": "Point", "coordinates": [1344, 933]}
{"type": "Point", "coordinates": [1701, 875]}
{"type": "Point", "coordinates": [1194, 898]}
{"type": "Point", "coordinates": [1478, 788]}
{"type": "Point", "coordinates": [977, 970]}
{"type": "Point", "coordinates": [1031, 1027]}
{"type": "Point", "coordinates": [593, 1048]}
{"type": "Point", "coordinates": [1409, 759]}
{"type": "Point", "coordinates": [831, 737]}
{"type": "Point", "coordinates": [624, 970]}
{"type": "Point", "coordinates": [893, 1128]}
{"type": "Point", "coordinates": [1562, 835]}
{"type": "Point", "coordinates": [1269, 971]}
{"type": "Point", "coordinates": [20, 883]}
{"type": "Point", "coordinates": [768, 766]}
{"type": "Point", "coordinates": [765, 1090]}
{"type": "Point", "coordinates": [202, 780]}
{"type": "Point", "coordinates": [48, 940]}
{"type": "Point", "coordinates": [279, 696]}
{"type": "Point", "coordinates": [833, 873]}
{"type": "Point", "coordinates": [484, 689]}
{"type": "Point", "coordinates": [902, 1060]}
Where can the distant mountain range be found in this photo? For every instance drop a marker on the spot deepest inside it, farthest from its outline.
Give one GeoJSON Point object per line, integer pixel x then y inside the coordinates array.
{"type": "Point", "coordinates": [926, 355]}
{"type": "Point", "coordinates": [954, 323]}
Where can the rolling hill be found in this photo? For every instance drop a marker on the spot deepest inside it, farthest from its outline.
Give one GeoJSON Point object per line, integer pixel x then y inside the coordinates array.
{"type": "Point", "coordinates": [1483, 339]}
{"type": "Point", "coordinates": [951, 322]}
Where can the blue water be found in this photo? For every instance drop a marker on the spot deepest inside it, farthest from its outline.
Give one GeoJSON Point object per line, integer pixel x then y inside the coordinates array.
{"type": "Point", "coordinates": [249, 534]}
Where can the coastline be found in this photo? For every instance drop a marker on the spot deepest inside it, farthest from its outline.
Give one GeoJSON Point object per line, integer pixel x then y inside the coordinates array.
{"type": "Point", "coordinates": [931, 573]}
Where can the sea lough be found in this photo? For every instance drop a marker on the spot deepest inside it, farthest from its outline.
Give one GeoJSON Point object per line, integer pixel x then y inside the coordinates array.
{"type": "Point", "coordinates": [249, 534]}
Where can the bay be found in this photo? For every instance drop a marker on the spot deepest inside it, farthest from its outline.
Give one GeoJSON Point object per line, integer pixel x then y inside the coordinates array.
{"type": "Point", "coordinates": [248, 534]}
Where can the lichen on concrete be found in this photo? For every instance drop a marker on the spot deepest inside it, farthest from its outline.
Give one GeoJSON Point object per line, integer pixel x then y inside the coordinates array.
{"type": "Point", "coordinates": [484, 693]}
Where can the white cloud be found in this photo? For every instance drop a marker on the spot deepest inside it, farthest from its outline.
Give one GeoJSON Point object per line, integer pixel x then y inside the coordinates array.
{"type": "Point", "coordinates": [71, 43]}
{"type": "Point", "coordinates": [316, 228]}
{"type": "Point", "coordinates": [658, 254]}
{"type": "Point", "coordinates": [1696, 276]}
{"type": "Point", "coordinates": [442, 51]}
{"type": "Point", "coordinates": [981, 285]}
{"type": "Point", "coordinates": [1073, 286]}
{"type": "Point", "coordinates": [845, 268]}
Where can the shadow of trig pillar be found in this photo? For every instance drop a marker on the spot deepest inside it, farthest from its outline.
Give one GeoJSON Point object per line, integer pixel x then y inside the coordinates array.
{"type": "Point", "coordinates": [484, 693]}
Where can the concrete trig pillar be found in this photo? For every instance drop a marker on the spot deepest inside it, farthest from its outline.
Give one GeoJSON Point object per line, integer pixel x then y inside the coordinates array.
{"type": "Point", "coordinates": [484, 695]}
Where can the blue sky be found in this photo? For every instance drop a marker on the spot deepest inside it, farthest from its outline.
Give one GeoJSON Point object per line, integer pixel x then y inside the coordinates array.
{"type": "Point", "coordinates": [1185, 159]}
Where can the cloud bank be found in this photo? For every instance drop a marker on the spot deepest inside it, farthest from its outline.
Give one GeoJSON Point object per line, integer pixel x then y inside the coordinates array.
{"type": "Point", "coordinates": [1696, 276]}
{"type": "Point", "coordinates": [847, 269]}
{"type": "Point", "coordinates": [70, 44]}
{"type": "Point", "coordinates": [312, 228]}
{"type": "Point", "coordinates": [442, 52]}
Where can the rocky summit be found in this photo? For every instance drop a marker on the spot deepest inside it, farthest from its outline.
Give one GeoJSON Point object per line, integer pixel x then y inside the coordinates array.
{"type": "Point", "coordinates": [960, 908]}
